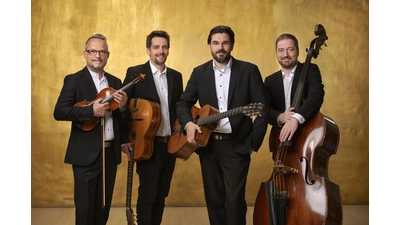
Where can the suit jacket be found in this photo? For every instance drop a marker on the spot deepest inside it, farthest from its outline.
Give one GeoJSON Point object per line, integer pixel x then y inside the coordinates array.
{"type": "Point", "coordinates": [146, 89]}
{"type": "Point", "coordinates": [245, 87]}
{"type": "Point", "coordinates": [85, 146]}
{"type": "Point", "coordinates": [313, 93]}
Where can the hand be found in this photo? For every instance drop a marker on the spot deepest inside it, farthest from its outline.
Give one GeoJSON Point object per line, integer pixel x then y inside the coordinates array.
{"type": "Point", "coordinates": [125, 148]}
{"type": "Point", "coordinates": [286, 116]}
{"type": "Point", "coordinates": [100, 109]}
{"type": "Point", "coordinates": [121, 98]}
{"type": "Point", "coordinates": [288, 129]}
{"type": "Point", "coordinates": [191, 129]}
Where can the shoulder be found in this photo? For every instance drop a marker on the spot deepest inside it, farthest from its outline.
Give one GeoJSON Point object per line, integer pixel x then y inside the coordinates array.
{"type": "Point", "coordinates": [242, 62]}
{"type": "Point", "coordinates": [139, 67]}
{"type": "Point", "coordinates": [204, 66]}
{"type": "Point", "coordinates": [301, 65]}
{"type": "Point", "coordinates": [78, 75]}
{"type": "Point", "coordinates": [274, 76]}
{"type": "Point", "coordinates": [111, 77]}
{"type": "Point", "coordinates": [173, 71]}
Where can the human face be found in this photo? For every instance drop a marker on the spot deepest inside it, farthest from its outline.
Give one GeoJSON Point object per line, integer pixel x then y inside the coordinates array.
{"type": "Point", "coordinates": [286, 53]}
{"type": "Point", "coordinates": [158, 52]}
{"type": "Point", "coordinates": [221, 47]}
{"type": "Point", "coordinates": [98, 61]}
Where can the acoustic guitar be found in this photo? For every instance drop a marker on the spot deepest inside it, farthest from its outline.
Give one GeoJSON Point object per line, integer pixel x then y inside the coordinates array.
{"type": "Point", "coordinates": [207, 118]}
{"type": "Point", "coordinates": [145, 121]}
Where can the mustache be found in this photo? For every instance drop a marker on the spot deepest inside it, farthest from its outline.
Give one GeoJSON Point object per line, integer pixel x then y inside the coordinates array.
{"type": "Point", "coordinates": [221, 51]}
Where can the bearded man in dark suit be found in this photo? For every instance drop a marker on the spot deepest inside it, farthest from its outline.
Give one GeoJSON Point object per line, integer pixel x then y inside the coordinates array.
{"type": "Point", "coordinates": [225, 83]}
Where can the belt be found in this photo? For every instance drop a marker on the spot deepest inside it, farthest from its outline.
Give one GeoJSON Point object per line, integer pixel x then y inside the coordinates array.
{"type": "Point", "coordinates": [108, 144]}
{"type": "Point", "coordinates": [161, 139]}
{"type": "Point", "coordinates": [220, 136]}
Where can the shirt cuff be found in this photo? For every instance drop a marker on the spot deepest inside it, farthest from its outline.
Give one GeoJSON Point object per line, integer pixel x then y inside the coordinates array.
{"type": "Point", "coordinates": [299, 118]}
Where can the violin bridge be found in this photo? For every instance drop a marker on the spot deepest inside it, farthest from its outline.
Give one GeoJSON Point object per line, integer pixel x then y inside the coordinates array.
{"type": "Point", "coordinates": [285, 169]}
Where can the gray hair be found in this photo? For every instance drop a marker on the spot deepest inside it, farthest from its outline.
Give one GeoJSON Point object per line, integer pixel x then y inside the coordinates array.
{"type": "Point", "coordinates": [97, 36]}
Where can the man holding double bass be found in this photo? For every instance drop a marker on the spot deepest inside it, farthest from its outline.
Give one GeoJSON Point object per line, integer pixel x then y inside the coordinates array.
{"type": "Point", "coordinates": [281, 87]}
{"type": "Point", "coordinates": [164, 86]}
{"type": "Point", "coordinates": [302, 139]}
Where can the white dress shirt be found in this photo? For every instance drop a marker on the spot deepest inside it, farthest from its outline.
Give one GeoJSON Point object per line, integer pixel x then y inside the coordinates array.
{"type": "Point", "coordinates": [160, 80]}
{"type": "Point", "coordinates": [222, 79]}
{"type": "Point", "coordinates": [108, 123]}
{"type": "Point", "coordinates": [287, 84]}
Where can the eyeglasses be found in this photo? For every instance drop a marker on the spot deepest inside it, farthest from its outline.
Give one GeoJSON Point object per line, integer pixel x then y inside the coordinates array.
{"type": "Point", "coordinates": [94, 52]}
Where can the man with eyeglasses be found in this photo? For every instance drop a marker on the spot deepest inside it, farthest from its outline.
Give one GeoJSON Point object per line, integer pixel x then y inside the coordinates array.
{"type": "Point", "coordinates": [225, 83]}
{"type": "Point", "coordinates": [88, 136]}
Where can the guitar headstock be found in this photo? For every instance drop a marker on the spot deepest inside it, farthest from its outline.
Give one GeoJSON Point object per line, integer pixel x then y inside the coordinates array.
{"type": "Point", "coordinates": [253, 109]}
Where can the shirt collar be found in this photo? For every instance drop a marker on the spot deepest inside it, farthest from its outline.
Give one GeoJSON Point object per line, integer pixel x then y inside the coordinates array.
{"type": "Point", "coordinates": [291, 73]}
{"type": "Point", "coordinates": [154, 69]}
{"type": "Point", "coordinates": [229, 65]}
{"type": "Point", "coordinates": [96, 75]}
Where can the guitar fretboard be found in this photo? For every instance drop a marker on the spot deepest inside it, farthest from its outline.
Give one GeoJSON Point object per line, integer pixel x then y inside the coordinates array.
{"type": "Point", "coordinates": [218, 116]}
{"type": "Point", "coordinates": [129, 181]}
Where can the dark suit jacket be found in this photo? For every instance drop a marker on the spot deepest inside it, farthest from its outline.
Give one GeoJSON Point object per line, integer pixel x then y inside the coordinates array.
{"type": "Point", "coordinates": [84, 146]}
{"type": "Point", "coordinates": [146, 89]}
{"type": "Point", "coordinates": [245, 87]}
{"type": "Point", "coordinates": [314, 93]}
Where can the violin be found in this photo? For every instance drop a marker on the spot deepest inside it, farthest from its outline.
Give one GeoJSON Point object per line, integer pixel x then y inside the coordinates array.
{"type": "Point", "coordinates": [107, 94]}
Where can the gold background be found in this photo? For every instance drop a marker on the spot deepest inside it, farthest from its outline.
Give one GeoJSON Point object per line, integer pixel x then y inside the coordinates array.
{"type": "Point", "coordinates": [60, 29]}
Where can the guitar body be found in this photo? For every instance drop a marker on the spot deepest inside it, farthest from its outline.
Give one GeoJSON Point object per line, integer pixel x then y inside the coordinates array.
{"type": "Point", "coordinates": [178, 144]}
{"type": "Point", "coordinates": [146, 119]}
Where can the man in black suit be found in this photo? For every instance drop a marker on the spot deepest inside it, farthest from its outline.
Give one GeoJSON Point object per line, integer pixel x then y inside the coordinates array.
{"type": "Point", "coordinates": [225, 83]}
{"type": "Point", "coordinates": [281, 87]}
{"type": "Point", "coordinates": [84, 146]}
{"type": "Point", "coordinates": [164, 86]}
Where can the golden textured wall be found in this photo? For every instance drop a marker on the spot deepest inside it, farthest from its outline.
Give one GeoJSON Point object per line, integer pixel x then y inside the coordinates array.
{"type": "Point", "coordinates": [60, 29]}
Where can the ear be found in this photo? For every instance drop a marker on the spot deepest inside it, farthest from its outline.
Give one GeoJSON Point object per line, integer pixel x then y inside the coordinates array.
{"type": "Point", "coordinates": [148, 51]}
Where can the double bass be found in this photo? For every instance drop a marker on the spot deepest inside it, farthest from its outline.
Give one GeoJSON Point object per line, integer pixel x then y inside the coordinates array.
{"type": "Point", "coordinates": [299, 190]}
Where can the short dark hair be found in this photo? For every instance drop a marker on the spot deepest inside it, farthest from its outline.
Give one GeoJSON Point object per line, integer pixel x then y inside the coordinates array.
{"type": "Point", "coordinates": [156, 33]}
{"type": "Point", "coordinates": [222, 29]}
{"type": "Point", "coordinates": [287, 36]}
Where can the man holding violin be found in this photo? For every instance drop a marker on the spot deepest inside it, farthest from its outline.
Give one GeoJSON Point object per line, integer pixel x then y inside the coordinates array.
{"type": "Point", "coordinates": [94, 175]}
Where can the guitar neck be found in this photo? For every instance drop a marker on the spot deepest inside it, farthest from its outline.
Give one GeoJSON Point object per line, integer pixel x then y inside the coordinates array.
{"type": "Point", "coordinates": [129, 181]}
{"type": "Point", "coordinates": [218, 116]}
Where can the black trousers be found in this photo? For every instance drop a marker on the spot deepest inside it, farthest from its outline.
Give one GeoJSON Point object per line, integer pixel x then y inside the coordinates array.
{"type": "Point", "coordinates": [88, 190]}
{"type": "Point", "coordinates": [155, 176]}
{"type": "Point", "coordinates": [224, 173]}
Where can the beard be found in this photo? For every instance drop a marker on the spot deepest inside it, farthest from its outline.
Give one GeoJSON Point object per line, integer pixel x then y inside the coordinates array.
{"type": "Point", "coordinates": [98, 64]}
{"type": "Point", "coordinates": [160, 62]}
{"type": "Point", "coordinates": [289, 64]}
{"type": "Point", "coordinates": [221, 59]}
